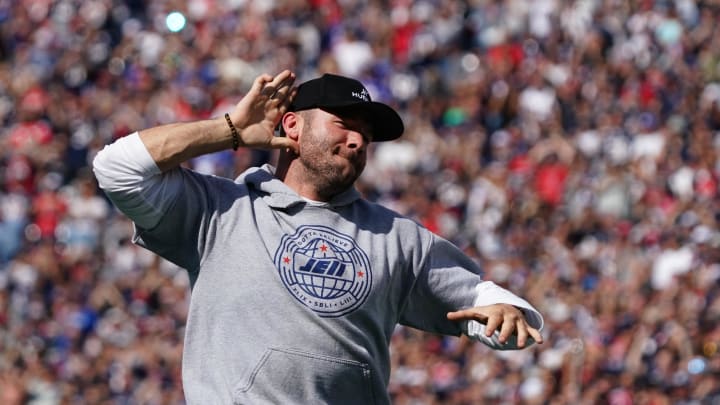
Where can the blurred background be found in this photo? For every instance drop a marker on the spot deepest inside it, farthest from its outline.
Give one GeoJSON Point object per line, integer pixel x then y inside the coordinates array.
{"type": "Point", "coordinates": [571, 147]}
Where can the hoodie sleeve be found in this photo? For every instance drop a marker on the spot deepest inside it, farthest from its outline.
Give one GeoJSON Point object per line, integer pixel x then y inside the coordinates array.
{"type": "Point", "coordinates": [449, 281]}
{"type": "Point", "coordinates": [171, 210]}
{"type": "Point", "coordinates": [130, 178]}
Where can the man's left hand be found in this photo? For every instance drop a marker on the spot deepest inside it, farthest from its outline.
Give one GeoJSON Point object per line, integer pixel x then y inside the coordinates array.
{"type": "Point", "coordinates": [507, 318]}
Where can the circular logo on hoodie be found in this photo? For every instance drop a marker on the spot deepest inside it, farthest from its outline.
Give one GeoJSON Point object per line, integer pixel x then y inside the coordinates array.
{"type": "Point", "coordinates": [324, 270]}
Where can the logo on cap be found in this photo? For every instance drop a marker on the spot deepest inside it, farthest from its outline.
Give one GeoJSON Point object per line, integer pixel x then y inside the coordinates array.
{"type": "Point", "coordinates": [363, 95]}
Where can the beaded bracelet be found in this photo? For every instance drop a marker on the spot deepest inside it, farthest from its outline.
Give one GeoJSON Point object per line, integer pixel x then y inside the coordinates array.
{"type": "Point", "coordinates": [234, 132]}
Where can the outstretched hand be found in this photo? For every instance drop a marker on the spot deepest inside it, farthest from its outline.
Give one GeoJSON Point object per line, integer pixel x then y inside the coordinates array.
{"type": "Point", "coordinates": [507, 318]}
{"type": "Point", "coordinates": [259, 112]}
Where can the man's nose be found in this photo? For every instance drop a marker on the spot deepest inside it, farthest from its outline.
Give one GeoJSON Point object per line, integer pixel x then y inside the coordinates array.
{"type": "Point", "coordinates": [356, 140]}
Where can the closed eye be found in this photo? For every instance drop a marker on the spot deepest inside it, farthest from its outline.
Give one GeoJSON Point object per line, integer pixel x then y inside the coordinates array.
{"type": "Point", "coordinates": [360, 127]}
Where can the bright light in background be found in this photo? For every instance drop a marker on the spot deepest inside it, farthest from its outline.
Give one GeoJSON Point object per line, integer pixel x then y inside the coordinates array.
{"type": "Point", "coordinates": [175, 21]}
{"type": "Point", "coordinates": [470, 62]}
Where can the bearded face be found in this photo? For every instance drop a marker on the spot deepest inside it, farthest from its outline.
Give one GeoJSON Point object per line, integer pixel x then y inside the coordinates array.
{"type": "Point", "coordinates": [333, 150]}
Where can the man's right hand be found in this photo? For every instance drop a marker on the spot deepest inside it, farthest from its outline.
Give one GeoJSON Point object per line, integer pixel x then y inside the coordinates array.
{"type": "Point", "coordinates": [254, 117]}
{"type": "Point", "coordinates": [258, 113]}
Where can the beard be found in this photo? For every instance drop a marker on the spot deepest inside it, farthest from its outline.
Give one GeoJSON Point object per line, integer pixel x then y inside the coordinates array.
{"type": "Point", "coordinates": [330, 167]}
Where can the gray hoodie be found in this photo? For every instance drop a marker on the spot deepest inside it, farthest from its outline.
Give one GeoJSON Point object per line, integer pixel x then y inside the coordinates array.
{"type": "Point", "coordinates": [293, 302]}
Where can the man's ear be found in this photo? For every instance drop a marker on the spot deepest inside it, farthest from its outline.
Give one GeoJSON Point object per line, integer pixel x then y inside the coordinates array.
{"type": "Point", "coordinates": [291, 124]}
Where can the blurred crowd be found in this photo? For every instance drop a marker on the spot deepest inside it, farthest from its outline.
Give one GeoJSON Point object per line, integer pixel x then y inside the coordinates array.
{"type": "Point", "coordinates": [571, 147]}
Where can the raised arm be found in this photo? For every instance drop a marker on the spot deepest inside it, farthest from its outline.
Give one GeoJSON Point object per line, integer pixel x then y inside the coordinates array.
{"type": "Point", "coordinates": [130, 170]}
{"type": "Point", "coordinates": [254, 118]}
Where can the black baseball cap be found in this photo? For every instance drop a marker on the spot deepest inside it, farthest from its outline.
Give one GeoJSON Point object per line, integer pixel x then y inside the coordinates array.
{"type": "Point", "coordinates": [336, 93]}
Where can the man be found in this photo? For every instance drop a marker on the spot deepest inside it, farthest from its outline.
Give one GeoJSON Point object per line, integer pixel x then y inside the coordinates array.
{"type": "Point", "coordinates": [298, 282]}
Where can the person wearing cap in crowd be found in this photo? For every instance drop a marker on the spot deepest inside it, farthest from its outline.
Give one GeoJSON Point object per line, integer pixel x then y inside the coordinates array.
{"type": "Point", "coordinates": [297, 281]}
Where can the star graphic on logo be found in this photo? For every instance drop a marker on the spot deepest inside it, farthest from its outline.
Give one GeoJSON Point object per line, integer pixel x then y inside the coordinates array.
{"type": "Point", "coordinates": [286, 259]}
{"type": "Point", "coordinates": [323, 248]}
{"type": "Point", "coordinates": [360, 273]}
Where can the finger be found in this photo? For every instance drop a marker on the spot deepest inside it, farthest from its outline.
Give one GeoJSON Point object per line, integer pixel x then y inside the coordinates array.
{"type": "Point", "coordinates": [536, 335]}
{"type": "Point", "coordinates": [507, 329]}
{"type": "Point", "coordinates": [259, 83]}
{"type": "Point", "coordinates": [284, 104]}
{"type": "Point", "coordinates": [282, 98]}
{"type": "Point", "coordinates": [269, 90]}
{"type": "Point", "coordinates": [466, 315]}
{"type": "Point", "coordinates": [284, 142]}
{"type": "Point", "coordinates": [522, 333]}
{"type": "Point", "coordinates": [282, 76]}
{"type": "Point", "coordinates": [285, 78]}
{"type": "Point", "coordinates": [277, 82]}
{"type": "Point", "coordinates": [284, 89]}
{"type": "Point", "coordinates": [455, 316]}
{"type": "Point", "coordinates": [493, 323]}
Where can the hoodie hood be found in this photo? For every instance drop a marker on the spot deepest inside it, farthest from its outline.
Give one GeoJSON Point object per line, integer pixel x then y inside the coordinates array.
{"type": "Point", "coordinates": [277, 194]}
